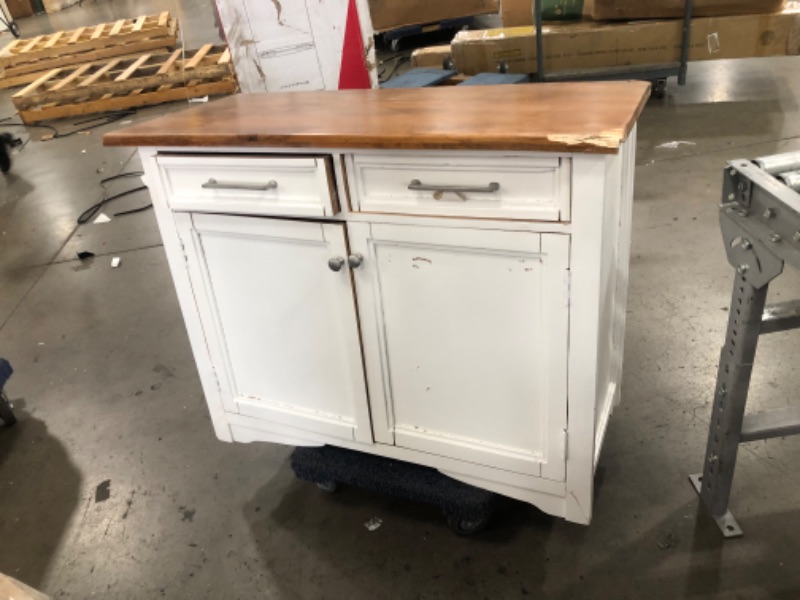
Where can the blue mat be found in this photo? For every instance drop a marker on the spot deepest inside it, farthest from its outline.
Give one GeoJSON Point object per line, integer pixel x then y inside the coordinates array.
{"type": "Point", "coordinates": [5, 372]}
{"type": "Point", "coordinates": [462, 504]}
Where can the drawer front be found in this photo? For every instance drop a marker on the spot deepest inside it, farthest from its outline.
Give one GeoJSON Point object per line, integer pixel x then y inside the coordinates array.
{"type": "Point", "coordinates": [299, 186]}
{"type": "Point", "coordinates": [486, 187]}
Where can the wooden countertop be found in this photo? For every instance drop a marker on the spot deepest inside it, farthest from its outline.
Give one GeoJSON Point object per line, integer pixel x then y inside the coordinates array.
{"type": "Point", "coordinates": [555, 117]}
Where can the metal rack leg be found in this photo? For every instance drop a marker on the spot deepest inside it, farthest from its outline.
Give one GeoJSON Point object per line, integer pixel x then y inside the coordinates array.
{"type": "Point", "coordinates": [730, 398]}
{"type": "Point", "coordinates": [685, 42]}
{"type": "Point", "coordinates": [537, 19]}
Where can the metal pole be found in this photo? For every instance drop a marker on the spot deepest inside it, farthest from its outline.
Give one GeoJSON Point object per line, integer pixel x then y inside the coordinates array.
{"type": "Point", "coordinates": [730, 398]}
{"type": "Point", "coordinates": [687, 38]}
{"type": "Point", "coordinates": [537, 17]}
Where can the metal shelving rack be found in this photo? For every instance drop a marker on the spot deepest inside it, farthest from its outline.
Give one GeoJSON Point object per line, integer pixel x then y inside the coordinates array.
{"type": "Point", "coordinates": [657, 73]}
{"type": "Point", "coordinates": [7, 21]}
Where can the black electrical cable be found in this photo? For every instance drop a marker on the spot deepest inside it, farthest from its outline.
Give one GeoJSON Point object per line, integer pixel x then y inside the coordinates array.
{"type": "Point", "coordinates": [105, 119]}
{"type": "Point", "coordinates": [133, 210]}
{"type": "Point", "coordinates": [90, 212]}
{"type": "Point", "coordinates": [402, 59]}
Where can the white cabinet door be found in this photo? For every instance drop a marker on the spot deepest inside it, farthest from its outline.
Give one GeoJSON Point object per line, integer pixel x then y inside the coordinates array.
{"type": "Point", "coordinates": [281, 326]}
{"type": "Point", "coordinates": [465, 342]}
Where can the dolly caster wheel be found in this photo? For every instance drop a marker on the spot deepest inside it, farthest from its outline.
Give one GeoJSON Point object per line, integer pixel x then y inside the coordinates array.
{"type": "Point", "coordinates": [462, 526]}
{"type": "Point", "coordinates": [329, 487]}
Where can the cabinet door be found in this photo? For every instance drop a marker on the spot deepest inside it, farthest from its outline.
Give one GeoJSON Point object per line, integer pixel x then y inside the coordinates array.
{"type": "Point", "coordinates": [281, 326]}
{"type": "Point", "coordinates": [465, 342]}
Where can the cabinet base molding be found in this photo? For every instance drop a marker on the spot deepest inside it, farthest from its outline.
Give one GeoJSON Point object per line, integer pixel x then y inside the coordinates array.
{"type": "Point", "coordinates": [514, 485]}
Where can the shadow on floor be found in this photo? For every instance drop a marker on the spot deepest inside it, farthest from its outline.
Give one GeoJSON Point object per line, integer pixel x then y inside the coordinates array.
{"type": "Point", "coordinates": [38, 501]}
{"type": "Point", "coordinates": [316, 545]}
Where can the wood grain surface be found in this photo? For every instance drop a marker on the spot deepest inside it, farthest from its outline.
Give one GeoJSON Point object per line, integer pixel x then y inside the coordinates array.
{"type": "Point", "coordinates": [557, 117]}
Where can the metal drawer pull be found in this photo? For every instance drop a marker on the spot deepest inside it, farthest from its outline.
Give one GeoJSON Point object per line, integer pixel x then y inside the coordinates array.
{"type": "Point", "coordinates": [335, 264]}
{"type": "Point", "coordinates": [355, 260]}
{"type": "Point", "coordinates": [213, 184]}
{"type": "Point", "coordinates": [417, 186]}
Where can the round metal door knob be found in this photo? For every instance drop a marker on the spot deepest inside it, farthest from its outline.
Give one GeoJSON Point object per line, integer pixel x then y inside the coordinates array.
{"type": "Point", "coordinates": [355, 260]}
{"type": "Point", "coordinates": [336, 264]}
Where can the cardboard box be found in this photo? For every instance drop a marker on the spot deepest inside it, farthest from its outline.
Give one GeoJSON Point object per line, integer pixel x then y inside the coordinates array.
{"type": "Point", "coordinates": [588, 45]}
{"type": "Point", "coordinates": [517, 13]}
{"type": "Point", "coordinates": [18, 9]}
{"type": "Point", "coordinates": [394, 14]}
{"type": "Point", "coordinates": [432, 57]}
{"type": "Point", "coordinates": [53, 6]}
{"type": "Point", "coordinates": [626, 10]}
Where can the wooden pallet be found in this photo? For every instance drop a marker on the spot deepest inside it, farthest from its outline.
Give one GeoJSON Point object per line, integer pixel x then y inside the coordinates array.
{"type": "Point", "coordinates": [120, 84]}
{"type": "Point", "coordinates": [24, 61]}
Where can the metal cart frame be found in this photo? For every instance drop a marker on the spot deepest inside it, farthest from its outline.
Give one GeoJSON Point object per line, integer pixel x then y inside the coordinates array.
{"type": "Point", "coordinates": [760, 223]}
{"type": "Point", "coordinates": [657, 73]}
{"type": "Point", "coordinates": [5, 19]}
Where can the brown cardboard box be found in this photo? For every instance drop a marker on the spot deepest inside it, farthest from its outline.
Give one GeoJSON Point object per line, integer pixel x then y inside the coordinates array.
{"type": "Point", "coordinates": [394, 14]}
{"type": "Point", "coordinates": [431, 57]}
{"type": "Point", "coordinates": [19, 9]}
{"type": "Point", "coordinates": [587, 45]}
{"type": "Point", "coordinates": [516, 13]}
{"type": "Point", "coordinates": [626, 10]}
{"type": "Point", "coordinates": [53, 6]}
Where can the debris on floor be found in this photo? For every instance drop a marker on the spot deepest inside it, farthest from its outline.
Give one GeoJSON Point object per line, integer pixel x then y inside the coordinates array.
{"type": "Point", "coordinates": [373, 524]}
{"type": "Point", "coordinates": [667, 540]}
{"type": "Point", "coordinates": [675, 145]}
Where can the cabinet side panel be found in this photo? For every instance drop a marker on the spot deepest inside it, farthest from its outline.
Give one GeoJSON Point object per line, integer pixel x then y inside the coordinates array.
{"type": "Point", "coordinates": [588, 185]}
{"type": "Point", "coordinates": [606, 381]}
{"type": "Point", "coordinates": [614, 292]}
{"type": "Point", "coordinates": [186, 297]}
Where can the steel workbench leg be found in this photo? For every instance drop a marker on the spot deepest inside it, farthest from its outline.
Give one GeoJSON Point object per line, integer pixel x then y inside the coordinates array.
{"type": "Point", "coordinates": [730, 398]}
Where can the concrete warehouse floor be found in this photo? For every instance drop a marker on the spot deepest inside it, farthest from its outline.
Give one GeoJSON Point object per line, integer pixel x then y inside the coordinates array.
{"type": "Point", "coordinates": [106, 391]}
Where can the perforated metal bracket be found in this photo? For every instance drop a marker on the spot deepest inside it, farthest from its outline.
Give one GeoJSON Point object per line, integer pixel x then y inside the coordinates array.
{"type": "Point", "coordinates": [735, 186]}
{"type": "Point", "coordinates": [745, 250]}
{"type": "Point", "coordinates": [726, 522]}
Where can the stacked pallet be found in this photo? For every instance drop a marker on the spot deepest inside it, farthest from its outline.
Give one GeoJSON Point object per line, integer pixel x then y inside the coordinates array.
{"type": "Point", "coordinates": [26, 60]}
{"type": "Point", "coordinates": [125, 83]}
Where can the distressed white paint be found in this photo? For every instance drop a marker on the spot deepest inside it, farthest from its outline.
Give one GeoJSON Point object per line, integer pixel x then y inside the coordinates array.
{"type": "Point", "coordinates": [491, 347]}
{"type": "Point", "coordinates": [462, 321]}
{"type": "Point", "coordinates": [295, 186]}
{"type": "Point", "coordinates": [281, 326]}
{"type": "Point", "coordinates": [529, 187]}
{"type": "Point", "coordinates": [290, 45]}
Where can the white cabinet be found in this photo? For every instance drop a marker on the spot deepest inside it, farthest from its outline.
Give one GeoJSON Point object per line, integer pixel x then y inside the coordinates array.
{"type": "Point", "coordinates": [500, 187]}
{"type": "Point", "coordinates": [464, 334]}
{"type": "Point", "coordinates": [280, 325]}
{"type": "Point", "coordinates": [432, 275]}
{"type": "Point", "coordinates": [477, 331]}
{"type": "Point", "coordinates": [294, 186]}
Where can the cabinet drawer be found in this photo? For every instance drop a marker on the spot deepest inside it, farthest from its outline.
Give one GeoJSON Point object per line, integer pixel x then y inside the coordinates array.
{"type": "Point", "coordinates": [300, 186]}
{"type": "Point", "coordinates": [487, 187]}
